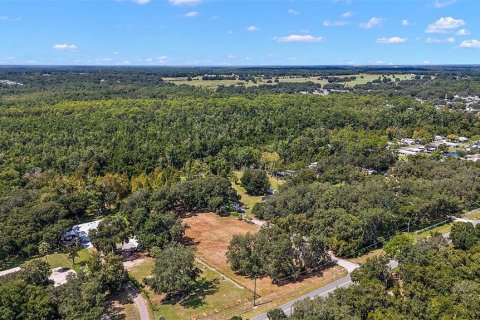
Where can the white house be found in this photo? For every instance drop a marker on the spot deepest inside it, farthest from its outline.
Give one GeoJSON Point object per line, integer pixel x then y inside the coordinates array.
{"type": "Point", "coordinates": [473, 157]}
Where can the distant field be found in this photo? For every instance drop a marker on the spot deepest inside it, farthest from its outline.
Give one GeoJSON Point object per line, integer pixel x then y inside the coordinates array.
{"type": "Point", "coordinates": [211, 234]}
{"type": "Point", "coordinates": [212, 84]}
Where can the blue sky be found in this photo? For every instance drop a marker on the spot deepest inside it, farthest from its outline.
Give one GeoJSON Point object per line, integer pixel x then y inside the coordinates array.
{"type": "Point", "coordinates": [229, 32]}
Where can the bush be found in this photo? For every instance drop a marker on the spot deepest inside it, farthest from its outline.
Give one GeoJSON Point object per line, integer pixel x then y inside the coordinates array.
{"type": "Point", "coordinates": [276, 314]}
{"type": "Point", "coordinates": [393, 246]}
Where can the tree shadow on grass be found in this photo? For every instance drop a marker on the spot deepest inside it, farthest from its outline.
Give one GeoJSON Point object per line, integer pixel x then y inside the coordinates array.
{"type": "Point", "coordinates": [196, 297]}
{"type": "Point", "coordinates": [116, 304]}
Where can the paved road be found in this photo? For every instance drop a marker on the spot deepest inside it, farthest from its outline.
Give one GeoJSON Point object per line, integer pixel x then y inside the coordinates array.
{"type": "Point", "coordinates": [474, 222]}
{"type": "Point", "coordinates": [348, 265]}
{"type": "Point", "coordinates": [322, 292]}
{"type": "Point", "coordinates": [8, 271]}
{"type": "Point", "coordinates": [139, 302]}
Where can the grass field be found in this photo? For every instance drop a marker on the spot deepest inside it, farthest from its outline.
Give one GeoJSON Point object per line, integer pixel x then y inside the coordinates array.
{"type": "Point", "coordinates": [214, 297]}
{"type": "Point", "coordinates": [213, 84]}
{"type": "Point", "coordinates": [141, 269]}
{"type": "Point", "coordinates": [362, 259]}
{"type": "Point", "coordinates": [62, 260]}
{"type": "Point", "coordinates": [211, 234]}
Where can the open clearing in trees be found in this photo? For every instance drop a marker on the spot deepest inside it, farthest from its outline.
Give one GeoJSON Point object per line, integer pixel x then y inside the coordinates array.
{"type": "Point", "coordinates": [211, 234]}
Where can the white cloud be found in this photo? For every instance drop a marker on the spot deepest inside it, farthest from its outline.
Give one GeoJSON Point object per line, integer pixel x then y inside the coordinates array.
{"type": "Point", "coordinates": [184, 2]}
{"type": "Point", "coordinates": [253, 28]}
{"type": "Point", "coordinates": [148, 60]}
{"type": "Point", "coordinates": [442, 4]}
{"type": "Point", "coordinates": [445, 25]}
{"type": "Point", "coordinates": [427, 62]}
{"type": "Point", "coordinates": [373, 22]}
{"type": "Point", "coordinates": [446, 40]}
{"type": "Point", "coordinates": [462, 32]}
{"type": "Point", "coordinates": [65, 47]}
{"type": "Point", "coordinates": [141, 1]}
{"type": "Point", "coordinates": [391, 40]}
{"type": "Point", "coordinates": [406, 22]}
{"type": "Point", "coordinates": [339, 23]}
{"type": "Point", "coordinates": [231, 56]}
{"type": "Point", "coordinates": [5, 18]}
{"type": "Point", "coordinates": [230, 32]}
{"type": "Point", "coordinates": [191, 14]}
{"type": "Point", "coordinates": [298, 38]}
{"type": "Point", "coordinates": [162, 59]}
{"type": "Point", "coordinates": [292, 11]}
{"type": "Point", "coordinates": [347, 14]}
{"type": "Point", "coordinates": [470, 44]}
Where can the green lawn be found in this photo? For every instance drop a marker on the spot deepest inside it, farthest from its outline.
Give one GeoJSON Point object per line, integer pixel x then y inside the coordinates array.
{"type": "Point", "coordinates": [62, 260]}
{"type": "Point", "coordinates": [212, 297]}
{"type": "Point", "coordinates": [441, 229]}
{"type": "Point", "coordinates": [142, 270]}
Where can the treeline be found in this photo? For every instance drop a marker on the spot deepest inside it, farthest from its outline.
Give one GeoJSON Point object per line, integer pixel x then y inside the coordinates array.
{"type": "Point", "coordinates": [137, 136]}
{"type": "Point", "coordinates": [430, 89]}
{"type": "Point", "coordinates": [276, 88]}
{"type": "Point", "coordinates": [433, 281]}
{"type": "Point", "coordinates": [352, 213]}
{"type": "Point", "coordinates": [42, 211]}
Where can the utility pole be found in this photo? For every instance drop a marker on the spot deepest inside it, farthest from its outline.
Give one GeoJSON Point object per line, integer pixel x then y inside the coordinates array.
{"type": "Point", "coordinates": [254, 289]}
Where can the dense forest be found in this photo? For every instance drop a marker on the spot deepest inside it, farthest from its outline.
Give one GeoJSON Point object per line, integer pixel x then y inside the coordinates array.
{"type": "Point", "coordinates": [139, 152]}
{"type": "Point", "coordinates": [64, 158]}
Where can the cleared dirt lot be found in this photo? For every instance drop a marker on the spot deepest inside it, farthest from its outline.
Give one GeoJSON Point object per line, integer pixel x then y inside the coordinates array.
{"type": "Point", "coordinates": [211, 234]}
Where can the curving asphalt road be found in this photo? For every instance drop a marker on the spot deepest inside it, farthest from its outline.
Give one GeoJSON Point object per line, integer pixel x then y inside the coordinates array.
{"type": "Point", "coordinates": [320, 292]}
{"type": "Point", "coordinates": [139, 302]}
